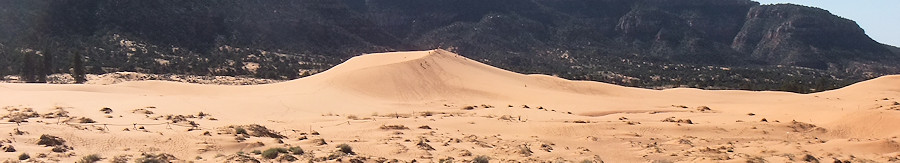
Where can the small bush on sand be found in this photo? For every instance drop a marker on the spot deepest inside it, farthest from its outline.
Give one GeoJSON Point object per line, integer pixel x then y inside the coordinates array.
{"type": "Point", "coordinates": [86, 120]}
{"type": "Point", "coordinates": [24, 156]}
{"type": "Point", "coordinates": [256, 152]}
{"type": "Point", "coordinates": [272, 153]}
{"type": "Point", "coordinates": [90, 159]}
{"type": "Point", "coordinates": [50, 140]}
{"type": "Point", "coordinates": [469, 108]}
{"type": "Point", "coordinates": [296, 150]}
{"type": "Point", "coordinates": [240, 131]}
{"type": "Point", "coordinates": [319, 141]}
{"type": "Point", "coordinates": [394, 127]}
{"type": "Point", "coordinates": [155, 158]}
{"type": "Point", "coordinates": [481, 159]}
{"type": "Point", "coordinates": [120, 159]}
{"type": "Point", "coordinates": [346, 149]}
{"type": "Point", "coordinates": [810, 158]}
{"type": "Point", "coordinates": [106, 110]}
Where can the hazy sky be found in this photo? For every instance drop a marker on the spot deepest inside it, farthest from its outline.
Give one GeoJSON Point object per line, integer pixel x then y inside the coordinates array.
{"type": "Point", "coordinates": [880, 18]}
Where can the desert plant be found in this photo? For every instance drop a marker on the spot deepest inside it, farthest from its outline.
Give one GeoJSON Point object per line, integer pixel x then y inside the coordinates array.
{"type": "Point", "coordinates": [481, 159]}
{"type": "Point", "coordinates": [525, 150]}
{"type": "Point", "coordinates": [8, 148]}
{"type": "Point", "coordinates": [346, 149]}
{"type": "Point", "coordinates": [106, 110]}
{"type": "Point", "coordinates": [120, 159]}
{"type": "Point", "coordinates": [24, 156]}
{"type": "Point", "coordinates": [155, 158]}
{"type": "Point", "coordinates": [86, 120]}
{"type": "Point", "coordinates": [319, 141]}
{"type": "Point", "coordinates": [446, 160]}
{"type": "Point", "coordinates": [256, 152]}
{"type": "Point", "coordinates": [50, 140]}
{"type": "Point", "coordinates": [810, 158]}
{"type": "Point", "coordinates": [90, 159]}
{"type": "Point", "coordinates": [287, 158]}
{"type": "Point", "coordinates": [272, 153]}
{"type": "Point", "coordinates": [393, 127]}
{"type": "Point", "coordinates": [240, 130]}
{"type": "Point", "coordinates": [469, 108]}
{"type": "Point", "coordinates": [296, 150]}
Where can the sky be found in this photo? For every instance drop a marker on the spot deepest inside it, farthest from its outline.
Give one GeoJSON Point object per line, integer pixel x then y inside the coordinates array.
{"type": "Point", "coordinates": [879, 18]}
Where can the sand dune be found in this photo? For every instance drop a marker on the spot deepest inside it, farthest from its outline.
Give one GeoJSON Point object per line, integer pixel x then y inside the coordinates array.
{"type": "Point", "coordinates": [469, 108]}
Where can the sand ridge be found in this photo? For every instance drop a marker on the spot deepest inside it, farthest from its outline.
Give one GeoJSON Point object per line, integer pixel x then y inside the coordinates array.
{"type": "Point", "coordinates": [458, 108]}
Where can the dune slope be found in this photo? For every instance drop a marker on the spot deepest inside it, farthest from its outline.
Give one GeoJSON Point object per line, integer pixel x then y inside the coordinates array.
{"type": "Point", "coordinates": [434, 105]}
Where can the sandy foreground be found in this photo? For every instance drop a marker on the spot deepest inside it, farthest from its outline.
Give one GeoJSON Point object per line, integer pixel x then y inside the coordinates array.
{"type": "Point", "coordinates": [427, 106]}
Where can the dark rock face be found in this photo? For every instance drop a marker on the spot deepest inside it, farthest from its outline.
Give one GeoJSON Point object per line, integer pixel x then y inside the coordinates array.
{"type": "Point", "coordinates": [645, 43]}
{"type": "Point", "coordinates": [804, 36]}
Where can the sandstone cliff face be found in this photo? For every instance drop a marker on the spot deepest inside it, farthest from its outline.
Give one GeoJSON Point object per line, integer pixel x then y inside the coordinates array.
{"type": "Point", "coordinates": [803, 36]}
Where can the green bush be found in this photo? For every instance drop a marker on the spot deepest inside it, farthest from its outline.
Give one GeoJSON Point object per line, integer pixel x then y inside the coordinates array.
{"type": "Point", "coordinates": [346, 149]}
{"type": "Point", "coordinates": [24, 156]}
{"type": "Point", "coordinates": [90, 159]}
{"type": "Point", "coordinates": [481, 159]}
{"type": "Point", "coordinates": [272, 153]}
{"type": "Point", "coordinates": [240, 130]}
{"type": "Point", "coordinates": [296, 150]}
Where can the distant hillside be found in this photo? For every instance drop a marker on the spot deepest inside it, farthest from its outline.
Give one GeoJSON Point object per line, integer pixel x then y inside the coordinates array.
{"type": "Point", "coordinates": [713, 44]}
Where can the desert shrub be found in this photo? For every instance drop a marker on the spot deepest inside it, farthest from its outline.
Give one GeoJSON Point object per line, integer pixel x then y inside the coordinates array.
{"type": "Point", "coordinates": [261, 131]}
{"type": "Point", "coordinates": [106, 110]}
{"type": "Point", "coordinates": [287, 158]}
{"type": "Point", "coordinates": [296, 150]}
{"type": "Point", "coordinates": [240, 131]}
{"type": "Point", "coordinates": [424, 146]}
{"type": "Point", "coordinates": [90, 159]}
{"type": "Point", "coordinates": [60, 148]}
{"type": "Point", "coordinates": [446, 160]}
{"type": "Point", "coordinates": [703, 108]}
{"type": "Point", "coordinates": [256, 152]}
{"type": "Point", "coordinates": [8, 148]}
{"type": "Point", "coordinates": [24, 156]}
{"type": "Point", "coordinates": [481, 159]}
{"type": "Point", "coordinates": [86, 120]}
{"type": "Point", "coordinates": [120, 159]}
{"type": "Point", "coordinates": [394, 127]}
{"type": "Point", "coordinates": [319, 141]}
{"type": "Point", "coordinates": [469, 108]}
{"type": "Point", "coordinates": [272, 153]}
{"type": "Point", "coordinates": [810, 158]}
{"type": "Point", "coordinates": [425, 127]}
{"type": "Point", "coordinates": [142, 111]}
{"type": "Point", "coordinates": [353, 117]}
{"type": "Point", "coordinates": [50, 140]}
{"type": "Point", "coordinates": [155, 158]}
{"type": "Point", "coordinates": [525, 151]}
{"type": "Point", "coordinates": [345, 149]}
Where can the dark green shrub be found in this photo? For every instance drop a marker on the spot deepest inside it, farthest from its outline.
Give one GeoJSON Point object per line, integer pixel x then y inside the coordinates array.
{"type": "Point", "coordinates": [481, 159]}
{"type": "Point", "coordinates": [346, 149]}
{"type": "Point", "coordinates": [24, 156]}
{"type": "Point", "coordinates": [272, 153]}
{"type": "Point", "coordinates": [296, 150]}
{"type": "Point", "coordinates": [240, 130]}
{"type": "Point", "coordinates": [90, 159]}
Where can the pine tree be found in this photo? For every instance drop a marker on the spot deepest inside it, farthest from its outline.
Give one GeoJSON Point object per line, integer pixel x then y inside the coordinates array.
{"type": "Point", "coordinates": [78, 68]}
{"type": "Point", "coordinates": [46, 68]}
{"type": "Point", "coordinates": [27, 68]}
